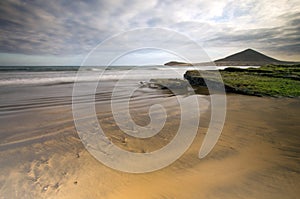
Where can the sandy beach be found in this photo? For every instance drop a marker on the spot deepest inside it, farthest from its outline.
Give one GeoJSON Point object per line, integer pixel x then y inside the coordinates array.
{"type": "Point", "coordinates": [257, 156]}
{"type": "Point", "coordinates": [126, 99]}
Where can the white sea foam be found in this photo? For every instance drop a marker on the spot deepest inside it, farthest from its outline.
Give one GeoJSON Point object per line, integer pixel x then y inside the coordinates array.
{"type": "Point", "coordinates": [90, 74]}
{"type": "Point", "coordinates": [56, 75]}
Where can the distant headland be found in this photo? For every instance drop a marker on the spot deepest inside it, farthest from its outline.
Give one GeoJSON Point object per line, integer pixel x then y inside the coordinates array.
{"type": "Point", "coordinates": [248, 57]}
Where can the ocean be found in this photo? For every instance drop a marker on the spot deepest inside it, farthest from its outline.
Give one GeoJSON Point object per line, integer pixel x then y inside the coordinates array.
{"type": "Point", "coordinates": [28, 92]}
{"type": "Point", "coordinates": [24, 87]}
{"type": "Point", "coordinates": [42, 87]}
{"type": "Point", "coordinates": [42, 75]}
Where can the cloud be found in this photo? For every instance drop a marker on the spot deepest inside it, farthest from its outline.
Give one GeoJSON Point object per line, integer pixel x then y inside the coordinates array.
{"type": "Point", "coordinates": [67, 28]}
{"type": "Point", "coordinates": [281, 39]}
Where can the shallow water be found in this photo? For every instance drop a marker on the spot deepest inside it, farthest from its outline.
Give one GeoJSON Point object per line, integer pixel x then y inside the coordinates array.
{"type": "Point", "coordinates": [34, 101]}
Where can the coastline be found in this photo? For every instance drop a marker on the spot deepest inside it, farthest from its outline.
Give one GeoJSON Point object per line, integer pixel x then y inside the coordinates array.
{"type": "Point", "coordinates": [269, 80]}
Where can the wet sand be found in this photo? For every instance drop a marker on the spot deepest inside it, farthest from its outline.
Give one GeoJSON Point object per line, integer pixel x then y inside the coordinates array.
{"type": "Point", "coordinates": [257, 156]}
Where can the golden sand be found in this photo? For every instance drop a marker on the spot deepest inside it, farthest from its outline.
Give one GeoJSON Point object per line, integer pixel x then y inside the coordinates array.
{"type": "Point", "coordinates": [257, 156]}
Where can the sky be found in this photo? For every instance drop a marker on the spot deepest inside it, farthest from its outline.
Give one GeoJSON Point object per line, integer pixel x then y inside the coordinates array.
{"type": "Point", "coordinates": [64, 32]}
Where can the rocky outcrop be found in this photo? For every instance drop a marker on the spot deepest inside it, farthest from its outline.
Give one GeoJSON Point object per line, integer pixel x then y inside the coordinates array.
{"type": "Point", "coordinates": [167, 84]}
{"type": "Point", "coordinates": [270, 80]}
{"type": "Point", "coordinates": [176, 63]}
{"type": "Point", "coordinates": [195, 79]}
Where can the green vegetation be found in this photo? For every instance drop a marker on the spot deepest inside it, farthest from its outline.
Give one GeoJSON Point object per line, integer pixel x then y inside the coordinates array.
{"type": "Point", "coordinates": [270, 80]}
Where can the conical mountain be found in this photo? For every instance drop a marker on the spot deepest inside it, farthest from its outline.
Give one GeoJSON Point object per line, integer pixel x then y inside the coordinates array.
{"type": "Point", "coordinates": [249, 57]}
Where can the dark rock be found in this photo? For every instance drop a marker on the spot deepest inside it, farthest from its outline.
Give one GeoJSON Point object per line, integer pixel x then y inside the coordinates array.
{"type": "Point", "coordinates": [167, 84]}
{"type": "Point", "coordinates": [176, 63]}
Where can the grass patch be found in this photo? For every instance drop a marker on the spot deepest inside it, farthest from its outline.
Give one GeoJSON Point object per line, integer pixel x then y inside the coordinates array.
{"type": "Point", "coordinates": [271, 80]}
